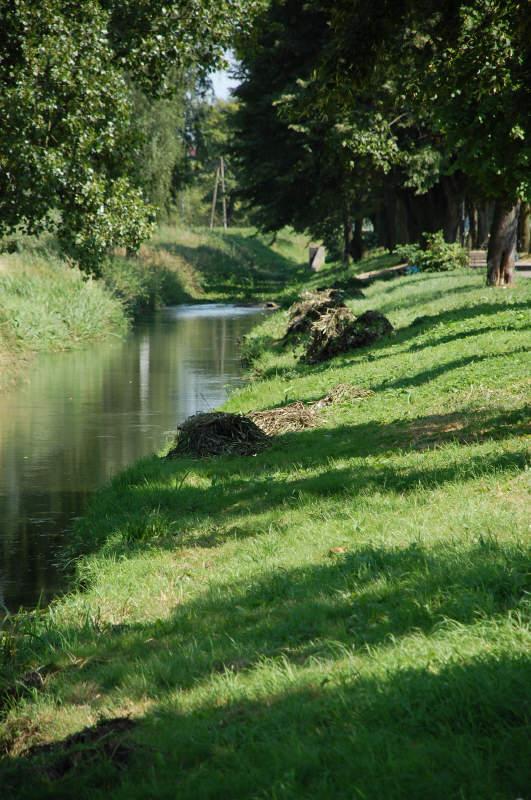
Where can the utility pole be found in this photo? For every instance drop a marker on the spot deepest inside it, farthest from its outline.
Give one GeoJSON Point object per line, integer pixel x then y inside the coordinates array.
{"type": "Point", "coordinates": [214, 200]}
{"type": "Point", "coordinates": [223, 195]}
{"type": "Point", "coordinates": [220, 177]}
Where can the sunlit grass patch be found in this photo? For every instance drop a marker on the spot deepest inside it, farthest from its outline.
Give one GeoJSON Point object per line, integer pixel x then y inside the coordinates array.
{"type": "Point", "coordinates": [346, 614]}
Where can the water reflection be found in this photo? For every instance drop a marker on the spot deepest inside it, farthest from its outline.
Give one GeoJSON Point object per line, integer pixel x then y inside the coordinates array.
{"type": "Point", "coordinates": [84, 416]}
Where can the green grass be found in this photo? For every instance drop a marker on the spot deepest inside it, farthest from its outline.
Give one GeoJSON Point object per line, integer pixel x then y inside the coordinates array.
{"type": "Point", "coordinates": [47, 306]}
{"type": "Point", "coordinates": [227, 266]}
{"type": "Point", "coordinates": [345, 615]}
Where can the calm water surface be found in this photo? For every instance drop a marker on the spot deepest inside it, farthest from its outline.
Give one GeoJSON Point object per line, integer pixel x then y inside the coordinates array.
{"type": "Point", "coordinates": [82, 417]}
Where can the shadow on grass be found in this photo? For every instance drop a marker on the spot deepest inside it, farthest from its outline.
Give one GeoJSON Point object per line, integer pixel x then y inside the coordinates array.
{"type": "Point", "coordinates": [149, 503]}
{"type": "Point", "coordinates": [248, 269]}
{"type": "Point", "coordinates": [443, 730]}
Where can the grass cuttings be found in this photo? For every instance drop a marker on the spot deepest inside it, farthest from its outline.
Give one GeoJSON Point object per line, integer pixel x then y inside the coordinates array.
{"type": "Point", "coordinates": [105, 741]}
{"type": "Point", "coordinates": [298, 416]}
{"type": "Point", "coordinates": [344, 393]}
{"type": "Point", "coordinates": [217, 433]}
{"type": "Point", "coordinates": [293, 417]}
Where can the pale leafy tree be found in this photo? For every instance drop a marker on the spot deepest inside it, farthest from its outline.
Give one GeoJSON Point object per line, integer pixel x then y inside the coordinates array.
{"type": "Point", "coordinates": [67, 140]}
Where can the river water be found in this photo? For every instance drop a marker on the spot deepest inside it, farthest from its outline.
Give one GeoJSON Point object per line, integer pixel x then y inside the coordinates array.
{"type": "Point", "coordinates": [83, 416]}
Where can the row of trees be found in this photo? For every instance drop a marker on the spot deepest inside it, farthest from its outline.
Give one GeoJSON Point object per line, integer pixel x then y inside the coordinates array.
{"type": "Point", "coordinates": [411, 113]}
{"type": "Point", "coordinates": [94, 98]}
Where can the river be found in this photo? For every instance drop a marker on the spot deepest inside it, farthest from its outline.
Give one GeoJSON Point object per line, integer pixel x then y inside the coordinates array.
{"type": "Point", "coordinates": [83, 416]}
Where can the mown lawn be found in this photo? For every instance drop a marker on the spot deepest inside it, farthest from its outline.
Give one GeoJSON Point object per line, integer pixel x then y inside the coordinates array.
{"type": "Point", "coordinates": [344, 615]}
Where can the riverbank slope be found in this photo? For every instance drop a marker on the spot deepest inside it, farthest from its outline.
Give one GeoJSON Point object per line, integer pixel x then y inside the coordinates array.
{"type": "Point", "coordinates": [46, 305]}
{"type": "Point", "coordinates": [346, 614]}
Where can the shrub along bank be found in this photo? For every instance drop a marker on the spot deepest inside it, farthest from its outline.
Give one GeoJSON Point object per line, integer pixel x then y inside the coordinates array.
{"type": "Point", "coordinates": [344, 614]}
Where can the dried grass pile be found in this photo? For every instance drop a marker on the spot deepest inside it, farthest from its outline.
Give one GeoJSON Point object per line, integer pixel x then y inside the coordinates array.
{"type": "Point", "coordinates": [343, 393]}
{"type": "Point", "coordinates": [310, 308]}
{"type": "Point", "coordinates": [339, 331]}
{"type": "Point", "coordinates": [217, 433]}
{"type": "Point", "coordinates": [293, 417]}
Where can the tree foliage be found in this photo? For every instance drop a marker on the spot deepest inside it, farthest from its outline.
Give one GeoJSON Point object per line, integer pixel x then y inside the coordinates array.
{"type": "Point", "coordinates": [68, 138]}
{"type": "Point", "coordinates": [413, 112]}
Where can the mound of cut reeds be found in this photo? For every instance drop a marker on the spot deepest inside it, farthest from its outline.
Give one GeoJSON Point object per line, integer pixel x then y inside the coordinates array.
{"type": "Point", "coordinates": [293, 417]}
{"type": "Point", "coordinates": [343, 393]}
{"type": "Point", "coordinates": [339, 331]}
{"type": "Point", "coordinates": [218, 433]}
{"type": "Point", "coordinates": [310, 307]}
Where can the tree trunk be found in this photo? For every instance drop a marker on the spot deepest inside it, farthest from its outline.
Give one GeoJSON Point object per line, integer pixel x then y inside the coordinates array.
{"type": "Point", "coordinates": [473, 219]}
{"type": "Point", "coordinates": [453, 188]}
{"type": "Point", "coordinates": [357, 249]}
{"type": "Point", "coordinates": [502, 243]}
{"type": "Point", "coordinates": [347, 237]}
{"type": "Point", "coordinates": [524, 229]}
{"type": "Point", "coordinates": [485, 216]}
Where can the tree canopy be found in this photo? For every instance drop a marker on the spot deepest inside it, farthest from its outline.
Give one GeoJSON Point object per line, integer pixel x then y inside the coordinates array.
{"type": "Point", "coordinates": [68, 72]}
{"type": "Point", "coordinates": [420, 114]}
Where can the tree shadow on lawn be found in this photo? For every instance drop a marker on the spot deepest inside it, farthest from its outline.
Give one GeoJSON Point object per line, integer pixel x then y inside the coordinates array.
{"type": "Point", "coordinates": [459, 731]}
{"type": "Point", "coordinates": [239, 275]}
{"type": "Point", "coordinates": [428, 730]}
{"type": "Point", "coordinates": [152, 506]}
{"type": "Point", "coordinates": [388, 347]}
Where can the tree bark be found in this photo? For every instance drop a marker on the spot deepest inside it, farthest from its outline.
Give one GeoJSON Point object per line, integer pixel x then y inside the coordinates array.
{"type": "Point", "coordinates": [453, 189]}
{"type": "Point", "coordinates": [485, 217]}
{"type": "Point", "coordinates": [357, 249]}
{"type": "Point", "coordinates": [502, 243]}
{"type": "Point", "coordinates": [524, 229]}
{"type": "Point", "coordinates": [473, 219]}
{"type": "Point", "coordinates": [347, 236]}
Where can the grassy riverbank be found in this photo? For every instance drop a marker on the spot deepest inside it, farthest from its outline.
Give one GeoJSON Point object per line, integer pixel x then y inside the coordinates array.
{"type": "Point", "coordinates": [238, 265]}
{"type": "Point", "coordinates": [343, 615]}
{"type": "Point", "coordinates": [46, 305]}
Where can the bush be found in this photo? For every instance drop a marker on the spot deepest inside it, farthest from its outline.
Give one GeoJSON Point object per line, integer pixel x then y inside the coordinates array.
{"type": "Point", "coordinates": [437, 256]}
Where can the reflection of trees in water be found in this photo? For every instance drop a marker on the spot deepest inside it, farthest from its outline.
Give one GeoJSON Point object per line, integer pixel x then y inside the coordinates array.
{"type": "Point", "coordinates": [86, 415]}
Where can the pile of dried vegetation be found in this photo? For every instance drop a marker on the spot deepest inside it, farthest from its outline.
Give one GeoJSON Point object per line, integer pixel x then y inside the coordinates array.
{"type": "Point", "coordinates": [298, 415]}
{"type": "Point", "coordinates": [310, 307]}
{"type": "Point", "coordinates": [339, 331]}
{"type": "Point", "coordinates": [218, 433]}
{"type": "Point", "coordinates": [108, 740]}
{"type": "Point", "coordinates": [293, 417]}
{"type": "Point", "coordinates": [343, 393]}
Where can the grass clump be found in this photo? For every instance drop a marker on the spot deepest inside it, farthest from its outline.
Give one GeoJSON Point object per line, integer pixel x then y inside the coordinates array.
{"type": "Point", "coordinates": [47, 305]}
{"type": "Point", "coordinates": [345, 614]}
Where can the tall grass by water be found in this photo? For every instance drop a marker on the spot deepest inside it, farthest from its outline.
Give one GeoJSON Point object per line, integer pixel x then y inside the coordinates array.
{"type": "Point", "coordinates": [49, 306]}
{"type": "Point", "coordinates": [345, 615]}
